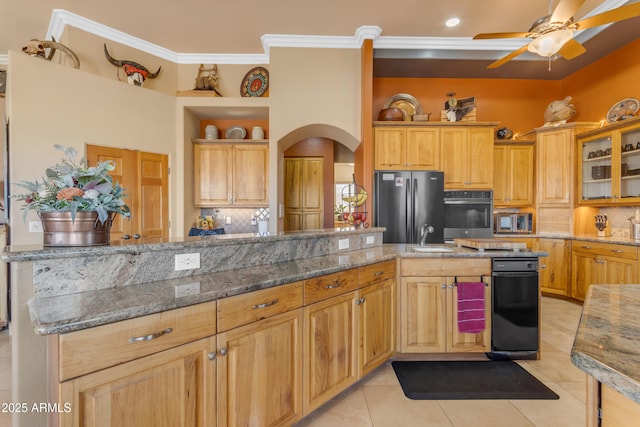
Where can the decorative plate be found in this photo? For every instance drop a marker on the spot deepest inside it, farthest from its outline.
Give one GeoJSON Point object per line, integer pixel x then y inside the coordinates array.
{"type": "Point", "coordinates": [406, 103]}
{"type": "Point", "coordinates": [255, 82]}
{"type": "Point", "coordinates": [624, 109]}
{"type": "Point", "coordinates": [236, 132]}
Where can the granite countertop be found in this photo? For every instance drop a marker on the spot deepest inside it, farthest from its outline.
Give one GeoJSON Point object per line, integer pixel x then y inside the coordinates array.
{"type": "Point", "coordinates": [620, 240]}
{"type": "Point", "coordinates": [607, 343]}
{"type": "Point", "coordinates": [454, 251]}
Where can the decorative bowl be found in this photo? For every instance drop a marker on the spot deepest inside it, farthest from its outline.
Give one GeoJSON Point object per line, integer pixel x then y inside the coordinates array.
{"type": "Point", "coordinates": [391, 114]}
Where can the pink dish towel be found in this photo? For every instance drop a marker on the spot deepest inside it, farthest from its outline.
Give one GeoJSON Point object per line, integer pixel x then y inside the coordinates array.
{"type": "Point", "coordinates": [471, 317]}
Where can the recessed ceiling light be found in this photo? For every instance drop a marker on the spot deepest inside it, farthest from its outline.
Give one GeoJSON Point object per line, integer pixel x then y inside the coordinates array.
{"type": "Point", "coordinates": [452, 22]}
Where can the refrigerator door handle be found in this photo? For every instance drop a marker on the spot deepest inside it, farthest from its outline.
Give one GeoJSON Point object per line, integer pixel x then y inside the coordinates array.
{"type": "Point", "coordinates": [408, 216]}
{"type": "Point", "coordinates": [414, 204]}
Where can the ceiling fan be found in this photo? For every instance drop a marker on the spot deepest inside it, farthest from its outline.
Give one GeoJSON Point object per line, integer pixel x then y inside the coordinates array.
{"type": "Point", "coordinates": [553, 34]}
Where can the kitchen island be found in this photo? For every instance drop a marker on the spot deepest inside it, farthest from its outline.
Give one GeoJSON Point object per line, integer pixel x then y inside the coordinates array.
{"type": "Point", "coordinates": [607, 348]}
{"type": "Point", "coordinates": [113, 314]}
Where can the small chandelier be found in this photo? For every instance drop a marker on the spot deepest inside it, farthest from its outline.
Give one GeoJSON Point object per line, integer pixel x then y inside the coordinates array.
{"type": "Point", "coordinates": [550, 43]}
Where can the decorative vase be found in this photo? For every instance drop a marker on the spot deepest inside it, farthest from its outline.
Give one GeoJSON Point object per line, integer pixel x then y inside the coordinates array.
{"type": "Point", "coordinates": [86, 230]}
{"type": "Point", "coordinates": [257, 133]}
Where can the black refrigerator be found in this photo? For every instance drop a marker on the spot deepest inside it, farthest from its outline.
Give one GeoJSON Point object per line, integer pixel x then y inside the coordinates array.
{"type": "Point", "coordinates": [406, 200]}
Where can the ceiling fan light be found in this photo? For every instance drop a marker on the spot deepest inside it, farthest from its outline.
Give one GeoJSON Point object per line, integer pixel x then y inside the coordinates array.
{"type": "Point", "coordinates": [549, 44]}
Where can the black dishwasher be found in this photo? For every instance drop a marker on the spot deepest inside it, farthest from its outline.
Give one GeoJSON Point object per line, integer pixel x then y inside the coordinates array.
{"type": "Point", "coordinates": [515, 298]}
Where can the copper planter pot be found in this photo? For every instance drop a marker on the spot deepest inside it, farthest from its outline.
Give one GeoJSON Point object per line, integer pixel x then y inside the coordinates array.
{"type": "Point", "coordinates": [86, 230]}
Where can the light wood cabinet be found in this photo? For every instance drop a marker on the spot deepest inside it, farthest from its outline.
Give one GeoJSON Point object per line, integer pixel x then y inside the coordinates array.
{"type": "Point", "coordinates": [555, 269]}
{"type": "Point", "coordinates": [303, 193]}
{"type": "Point", "coordinates": [172, 388]}
{"type": "Point", "coordinates": [467, 157]}
{"type": "Point", "coordinates": [145, 178]}
{"type": "Point", "coordinates": [407, 148]}
{"type": "Point", "coordinates": [513, 174]}
{"type": "Point", "coordinates": [617, 410]}
{"type": "Point", "coordinates": [428, 308]}
{"type": "Point", "coordinates": [230, 174]}
{"type": "Point", "coordinates": [601, 263]}
{"type": "Point", "coordinates": [259, 369]}
{"type": "Point", "coordinates": [609, 162]}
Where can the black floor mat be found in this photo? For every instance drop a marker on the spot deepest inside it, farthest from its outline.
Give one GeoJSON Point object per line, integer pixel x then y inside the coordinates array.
{"type": "Point", "coordinates": [458, 380]}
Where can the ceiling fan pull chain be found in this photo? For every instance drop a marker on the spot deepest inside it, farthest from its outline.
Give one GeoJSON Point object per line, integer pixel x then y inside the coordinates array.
{"type": "Point", "coordinates": [549, 63]}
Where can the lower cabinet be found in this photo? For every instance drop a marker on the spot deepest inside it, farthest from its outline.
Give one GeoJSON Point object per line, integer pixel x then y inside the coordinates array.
{"type": "Point", "coordinates": [175, 387]}
{"type": "Point", "coordinates": [259, 368]}
{"type": "Point", "coordinates": [555, 269]}
{"type": "Point", "coordinates": [601, 263]}
{"type": "Point", "coordinates": [377, 324]}
{"type": "Point", "coordinates": [428, 310]}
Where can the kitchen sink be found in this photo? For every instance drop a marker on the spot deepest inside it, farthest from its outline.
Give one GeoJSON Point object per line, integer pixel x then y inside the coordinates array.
{"type": "Point", "coordinates": [432, 249]}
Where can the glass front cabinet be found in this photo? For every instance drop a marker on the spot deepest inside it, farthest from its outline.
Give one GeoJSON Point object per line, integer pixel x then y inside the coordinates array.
{"type": "Point", "coordinates": [609, 165]}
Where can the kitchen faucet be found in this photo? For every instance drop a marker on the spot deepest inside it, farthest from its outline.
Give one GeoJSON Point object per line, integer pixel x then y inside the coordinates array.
{"type": "Point", "coordinates": [424, 232]}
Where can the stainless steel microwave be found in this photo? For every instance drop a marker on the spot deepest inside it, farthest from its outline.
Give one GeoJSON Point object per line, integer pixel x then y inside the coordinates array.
{"type": "Point", "coordinates": [513, 222]}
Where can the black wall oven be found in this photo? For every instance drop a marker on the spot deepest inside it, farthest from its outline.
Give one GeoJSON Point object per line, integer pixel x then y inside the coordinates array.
{"type": "Point", "coordinates": [468, 214]}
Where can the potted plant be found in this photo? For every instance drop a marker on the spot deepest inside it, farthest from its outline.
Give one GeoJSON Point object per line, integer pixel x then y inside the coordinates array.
{"type": "Point", "coordinates": [76, 203]}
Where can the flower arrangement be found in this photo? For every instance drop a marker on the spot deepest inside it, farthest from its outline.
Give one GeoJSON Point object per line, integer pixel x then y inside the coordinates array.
{"type": "Point", "coordinates": [206, 223]}
{"type": "Point", "coordinates": [75, 187]}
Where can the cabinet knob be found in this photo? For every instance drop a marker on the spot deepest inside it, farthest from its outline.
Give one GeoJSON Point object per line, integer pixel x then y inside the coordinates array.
{"type": "Point", "coordinates": [543, 266]}
{"type": "Point", "coordinates": [126, 236]}
{"type": "Point", "coordinates": [444, 286]}
{"type": "Point", "coordinates": [360, 301]}
{"type": "Point", "coordinates": [223, 351]}
{"type": "Point", "coordinates": [212, 355]}
{"type": "Point", "coordinates": [136, 236]}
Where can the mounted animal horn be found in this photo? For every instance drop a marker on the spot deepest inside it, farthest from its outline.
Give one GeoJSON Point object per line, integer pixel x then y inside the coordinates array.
{"type": "Point", "coordinates": [36, 48]}
{"type": "Point", "coordinates": [136, 73]}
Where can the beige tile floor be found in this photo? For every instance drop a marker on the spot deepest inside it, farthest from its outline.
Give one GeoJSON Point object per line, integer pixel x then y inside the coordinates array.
{"type": "Point", "coordinates": [378, 400]}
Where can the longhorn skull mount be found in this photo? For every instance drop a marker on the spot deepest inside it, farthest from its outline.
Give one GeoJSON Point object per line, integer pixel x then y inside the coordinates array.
{"type": "Point", "coordinates": [37, 48]}
{"type": "Point", "coordinates": [136, 73]}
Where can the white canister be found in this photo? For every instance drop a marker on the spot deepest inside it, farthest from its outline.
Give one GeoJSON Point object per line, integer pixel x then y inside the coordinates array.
{"type": "Point", "coordinates": [211, 132]}
{"type": "Point", "coordinates": [263, 227]}
{"type": "Point", "coordinates": [257, 133]}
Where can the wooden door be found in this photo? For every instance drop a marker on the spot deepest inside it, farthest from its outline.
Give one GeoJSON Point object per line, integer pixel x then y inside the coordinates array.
{"type": "Point", "coordinates": [465, 342]}
{"type": "Point", "coordinates": [213, 176]}
{"type": "Point", "coordinates": [145, 177]}
{"type": "Point", "coordinates": [585, 270]}
{"type": "Point", "coordinates": [423, 311]}
{"type": "Point", "coordinates": [260, 372]}
{"type": "Point", "coordinates": [293, 198]}
{"type": "Point", "coordinates": [377, 325]}
{"type": "Point", "coordinates": [479, 155]}
{"type": "Point", "coordinates": [555, 176]}
{"type": "Point", "coordinates": [250, 172]}
{"type": "Point", "coordinates": [303, 193]}
{"type": "Point", "coordinates": [172, 388]}
{"type": "Point", "coordinates": [423, 149]}
{"type": "Point", "coordinates": [330, 349]}
{"type": "Point", "coordinates": [520, 175]}
{"type": "Point", "coordinates": [555, 270]}
{"type": "Point", "coordinates": [390, 151]}
{"type": "Point", "coordinates": [454, 158]}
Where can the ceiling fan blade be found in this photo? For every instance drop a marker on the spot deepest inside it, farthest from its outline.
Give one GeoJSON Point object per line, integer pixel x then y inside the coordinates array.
{"type": "Point", "coordinates": [571, 49]}
{"type": "Point", "coordinates": [619, 14]}
{"type": "Point", "coordinates": [565, 10]}
{"type": "Point", "coordinates": [509, 57]}
{"type": "Point", "coordinates": [500, 36]}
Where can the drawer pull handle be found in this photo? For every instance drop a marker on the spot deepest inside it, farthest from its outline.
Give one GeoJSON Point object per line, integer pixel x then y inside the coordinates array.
{"type": "Point", "coordinates": [150, 336]}
{"type": "Point", "coordinates": [335, 284]}
{"type": "Point", "coordinates": [378, 273]}
{"type": "Point", "coordinates": [586, 246]}
{"type": "Point", "coordinates": [265, 304]}
{"type": "Point", "coordinates": [617, 251]}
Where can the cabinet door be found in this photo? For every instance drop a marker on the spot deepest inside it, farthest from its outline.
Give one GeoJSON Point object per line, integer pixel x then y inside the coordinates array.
{"type": "Point", "coordinates": [175, 387]}
{"type": "Point", "coordinates": [390, 148]}
{"type": "Point", "coordinates": [520, 175]}
{"type": "Point", "coordinates": [501, 176]}
{"type": "Point", "coordinates": [464, 342]}
{"type": "Point", "coordinates": [619, 271]}
{"type": "Point", "coordinates": [479, 155]}
{"type": "Point", "coordinates": [293, 191]}
{"type": "Point", "coordinates": [555, 272]}
{"type": "Point", "coordinates": [423, 149]}
{"type": "Point", "coordinates": [330, 349]}
{"type": "Point", "coordinates": [212, 174]}
{"type": "Point", "coordinates": [585, 270]}
{"type": "Point", "coordinates": [260, 372]}
{"type": "Point", "coordinates": [555, 167]}
{"type": "Point", "coordinates": [454, 157]}
{"type": "Point", "coordinates": [377, 325]}
{"type": "Point", "coordinates": [250, 172]}
{"type": "Point", "coordinates": [423, 311]}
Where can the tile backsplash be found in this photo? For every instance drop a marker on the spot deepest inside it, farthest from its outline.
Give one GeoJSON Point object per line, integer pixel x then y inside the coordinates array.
{"type": "Point", "coordinates": [618, 219]}
{"type": "Point", "coordinates": [241, 218]}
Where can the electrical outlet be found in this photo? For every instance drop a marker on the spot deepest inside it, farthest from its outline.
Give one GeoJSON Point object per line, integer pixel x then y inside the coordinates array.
{"type": "Point", "coordinates": [187, 289]}
{"type": "Point", "coordinates": [227, 220]}
{"type": "Point", "coordinates": [343, 244]}
{"type": "Point", "coordinates": [35, 227]}
{"type": "Point", "coordinates": [370, 240]}
{"type": "Point", "coordinates": [343, 259]}
{"type": "Point", "coordinates": [187, 261]}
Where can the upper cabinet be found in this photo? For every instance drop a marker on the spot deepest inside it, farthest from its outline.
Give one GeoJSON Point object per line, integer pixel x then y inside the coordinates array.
{"type": "Point", "coordinates": [513, 173]}
{"type": "Point", "coordinates": [407, 148]}
{"type": "Point", "coordinates": [609, 165]}
{"type": "Point", "coordinates": [467, 157]}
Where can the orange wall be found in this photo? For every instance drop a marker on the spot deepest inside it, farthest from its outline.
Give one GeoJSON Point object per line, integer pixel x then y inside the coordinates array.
{"type": "Point", "coordinates": [516, 104]}
{"type": "Point", "coordinates": [598, 86]}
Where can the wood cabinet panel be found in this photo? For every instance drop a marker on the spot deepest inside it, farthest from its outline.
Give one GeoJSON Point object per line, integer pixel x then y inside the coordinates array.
{"type": "Point", "coordinates": [377, 325]}
{"type": "Point", "coordinates": [513, 175]}
{"type": "Point", "coordinates": [555, 269]}
{"type": "Point", "coordinates": [330, 285]}
{"type": "Point", "coordinates": [423, 310]}
{"type": "Point", "coordinates": [390, 150]}
{"type": "Point", "coordinates": [303, 193]}
{"type": "Point", "coordinates": [407, 148]}
{"type": "Point", "coordinates": [617, 409]}
{"type": "Point", "coordinates": [377, 272]}
{"type": "Point", "coordinates": [423, 149]}
{"type": "Point", "coordinates": [250, 172]}
{"type": "Point", "coordinates": [467, 157]}
{"type": "Point", "coordinates": [464, 342]}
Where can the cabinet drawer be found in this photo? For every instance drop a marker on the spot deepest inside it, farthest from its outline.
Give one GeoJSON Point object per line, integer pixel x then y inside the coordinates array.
{"type": "Point", "coordinates": [329, 285]}
{"type": "Point", "coordinates": [377, 272]}
{"type": "Point", "coordinates": [606, 249]}
{"type": "Point", "coordinates": [445, 267]}
{"type": "Point", "coordinates": [253, 306]}
{"type": "Point", "coordinates": [96, 348]}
